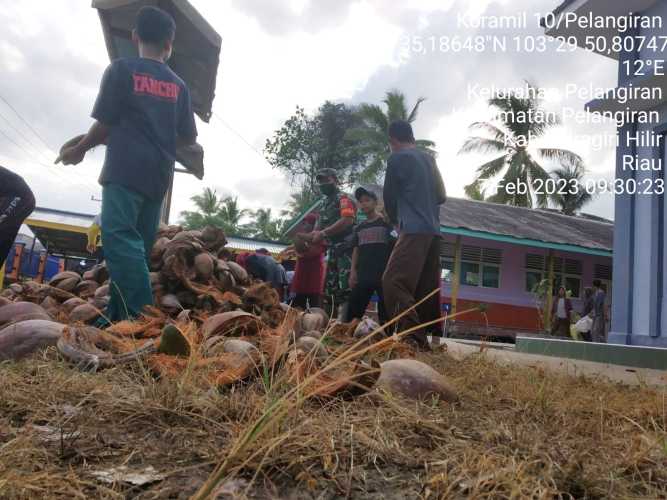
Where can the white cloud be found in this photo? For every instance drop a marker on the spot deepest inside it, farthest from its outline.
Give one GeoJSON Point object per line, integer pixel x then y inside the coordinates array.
{"type": "Point", "coordinates": [275, 55]}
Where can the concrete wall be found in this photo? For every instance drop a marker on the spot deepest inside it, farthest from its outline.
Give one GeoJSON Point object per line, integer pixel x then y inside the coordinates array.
{"type": "Point", "coordinates": [639, 313]}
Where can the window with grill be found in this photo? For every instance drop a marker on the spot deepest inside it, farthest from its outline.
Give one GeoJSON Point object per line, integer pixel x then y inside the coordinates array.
{"type": "Point", "coordinates": [602, 272]}
{"type": "Point", "coordinates": [567, 273]}
{"type": "Point", "coordinates": [479, 266]}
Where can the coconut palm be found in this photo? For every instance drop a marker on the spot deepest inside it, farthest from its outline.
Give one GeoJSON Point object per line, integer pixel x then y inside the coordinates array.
{"type": "Point", "coordinates": [231, 215]}
{"type": "Point", "coordinates": [573, 196]}
{"type": "Point", "coordinates": [510, 136]}
{"type": "Point", "coordinates": [265, 226]}
{"type": "Point", "coordinates": [372, 135]}
{"type": "Point", "coordinates": [207, 213]}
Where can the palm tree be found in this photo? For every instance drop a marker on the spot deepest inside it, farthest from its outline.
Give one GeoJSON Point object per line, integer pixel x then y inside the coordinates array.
{"type": "Point", "coordinates": [231, 215]}
{"type": "Point", "coordinates": [573, 195]}
{"type": "Point", "coordinates": [298, 203]}
{"type": "Point", "coordinates": [509, 135]}
{"type": "Point", "coordinates": [372, 135]}
{"type": "Point", "coordinates": [207, 214]}
{"type": "Point", "coordinates": [475, 191]}
{"type": "Point", "coordinates": [265, 226]}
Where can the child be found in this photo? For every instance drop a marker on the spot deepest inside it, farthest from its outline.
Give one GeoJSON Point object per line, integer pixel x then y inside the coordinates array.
{"type": "Point", "coordinates": [373, 241]}
{"type": "Point", "coordinates": [143, 113]}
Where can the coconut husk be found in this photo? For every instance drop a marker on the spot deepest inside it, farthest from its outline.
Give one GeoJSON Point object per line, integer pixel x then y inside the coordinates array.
{"type": "Point", "coordinates": [237, 323]}
{"type": "Point", "coordinates": [93, 349]}
{"type": "Point", "coordinates": [260, 296]}
{"type": "Point", "coordinates": [415, 380]}
{"type": "Point", "coordinates": [240, 274]}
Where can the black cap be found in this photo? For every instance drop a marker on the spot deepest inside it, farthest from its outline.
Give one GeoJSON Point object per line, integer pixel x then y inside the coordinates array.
{"type": "Point", "coordinates": [362, 191]}
{"type": "Point", "coordinates": [326, 172]}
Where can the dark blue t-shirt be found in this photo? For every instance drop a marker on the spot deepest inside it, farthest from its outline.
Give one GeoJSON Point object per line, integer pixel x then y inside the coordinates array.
{"type": "Point", "coordinates": [146, 105]}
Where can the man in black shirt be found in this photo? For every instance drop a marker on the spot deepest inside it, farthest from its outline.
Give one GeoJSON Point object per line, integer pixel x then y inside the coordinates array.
{"type": "Point", "coordinates": [143, 113]}
{"type": "Point", "coordinates": [16, 203]}
{"type": "Point", "coordinates": [373, 241]}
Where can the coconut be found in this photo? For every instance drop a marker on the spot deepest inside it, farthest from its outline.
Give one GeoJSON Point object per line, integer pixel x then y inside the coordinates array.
{"type": "Point", "coordinates": [219, 344]}
{"type": "Point", "coordinates": [232, 322]}
{"type": "Point", "coordinates": [173, 342]}
{"type": "Point", "coordinates": [170, 302]}
{"type": "Point", "coordinates": [86, 289]}
{"type": "Point", "coordinates": [204, 266]}
{"type": "Point", "coordinates": [70, 304]}
{"type": "Point", "coordinates": [415, 380]}
{"type": "Point", "coordinates": [68, 284]}
{"type": "Point", "coordinates": [16, 288]}
{"type": "Point", "coordinates": [4, 301]}
{"type": "Point", "coordinates": [311, 345]}
{"type": "Point", "coordinates": [366, 327]}
{"type": "Point", "coordinates": [102, 291]}
{"type": "Point", "coordinates": [240, 274]}
{"type": "Point", "coordinates": [55, 281]}
{"type": "Point", "coordinates": [9, 312]}
{"type": "Point", "coordinates": [8, 294]}
{"type": "Point", "coordinates": [213, 239]}
{"type": "Point", "coordinates": [23, 338]}
{"type": "Point", "coordinates": [50, 303]}
{"type": "Point", "coordinates": [85, 313]}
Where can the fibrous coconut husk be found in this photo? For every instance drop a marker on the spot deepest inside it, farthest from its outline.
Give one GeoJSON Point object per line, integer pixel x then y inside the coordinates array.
{"type": "Point", "coordinates": [86, 289]}
{"type": "Point", "coordinates": [238, 323]}
{"type": "Point", "coordinates": [92, 349]}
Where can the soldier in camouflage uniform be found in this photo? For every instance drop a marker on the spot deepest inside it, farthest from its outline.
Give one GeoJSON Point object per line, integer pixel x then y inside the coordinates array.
{"type": "Point", "coordinates": [334, 226]}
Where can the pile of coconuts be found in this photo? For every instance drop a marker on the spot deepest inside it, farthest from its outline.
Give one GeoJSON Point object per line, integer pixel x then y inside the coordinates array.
{"type": "Point", "coordinates": [237, 323]}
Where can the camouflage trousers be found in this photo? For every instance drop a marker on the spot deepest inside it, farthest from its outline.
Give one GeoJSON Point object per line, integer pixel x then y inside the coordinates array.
{"type": "Point", "coordinates": [336, 285]}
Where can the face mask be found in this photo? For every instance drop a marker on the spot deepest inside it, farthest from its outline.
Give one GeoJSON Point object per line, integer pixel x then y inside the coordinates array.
{"type": "Point", "coordinates": [328, 189]}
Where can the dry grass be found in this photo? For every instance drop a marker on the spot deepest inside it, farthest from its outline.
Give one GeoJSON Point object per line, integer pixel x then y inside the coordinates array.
{"type": "Point", "coordinates": [516, 433]}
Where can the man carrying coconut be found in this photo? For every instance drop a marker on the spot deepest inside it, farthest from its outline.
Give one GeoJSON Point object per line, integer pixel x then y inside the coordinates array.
{"type": "Point", "coordinates": [334, 226]}
{"type": "Point", "coordinates": [143, 113]}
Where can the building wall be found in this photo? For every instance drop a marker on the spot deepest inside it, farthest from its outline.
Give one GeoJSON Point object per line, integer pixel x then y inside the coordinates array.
{"type": "Point", "coordinates": [510, 305]}
{"type": "Point", "coordinates": [639, 314]}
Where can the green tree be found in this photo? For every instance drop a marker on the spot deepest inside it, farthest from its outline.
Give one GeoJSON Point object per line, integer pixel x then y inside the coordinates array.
{"type": "Point", "coordinates": [307, 143]}
{"type": "Point", "coordinates": [573, 196]}
{"type": "Point", "coordinates": [212, 210]}
{"type": "Point", "coordinates": [231, 216]}
{"type": "Point", "coordinates": [265, 226]}
{"type": "Point", "coordinates": [298, 203]}
{"type": "Point", "coordinates": [371, 135]}
{"type": "Point", "coordinates": [510, 136]}
{"type": "Point", "coordinates": [207, 213]}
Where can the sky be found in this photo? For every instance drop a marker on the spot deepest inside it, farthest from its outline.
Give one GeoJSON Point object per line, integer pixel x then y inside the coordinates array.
{"type": "Point", "coordinates": [277, 55]}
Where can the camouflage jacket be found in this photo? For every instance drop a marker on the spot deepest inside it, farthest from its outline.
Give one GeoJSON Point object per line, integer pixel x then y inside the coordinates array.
{"type": "Point", "coordinates": [334, 208]}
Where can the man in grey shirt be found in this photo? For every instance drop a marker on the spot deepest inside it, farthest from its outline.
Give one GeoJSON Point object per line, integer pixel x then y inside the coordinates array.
{"type": "Point", "coordinates": [413, 193]}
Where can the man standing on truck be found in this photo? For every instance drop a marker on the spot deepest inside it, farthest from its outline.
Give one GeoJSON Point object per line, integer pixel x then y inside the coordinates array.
{"type": "Point", "coordinates": [143, 113]}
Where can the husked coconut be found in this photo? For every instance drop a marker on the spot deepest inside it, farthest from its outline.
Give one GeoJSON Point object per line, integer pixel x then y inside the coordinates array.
{"type": "Point", "coordinates": [204, 266]}
{"type": "Point", "coordinates": [70, 304]}
{"type": "Point", "coordinates": [171, 302]}
{"type": "Point", "coordinates": [9, 312]}
{"type": "Point", "coordinates": [65, 275]}
{"type": "Point", "coordinates": [68, 284]}
{"type": "Point", "coordinates": [23, 338]}
{"type": "Point", "coordinates": [86, 289]}
{"type": "Point", "coordinates": [49, 303]}
{"type": "Point", "coordinates": [85, 313]}
{"type": "Point", "coordinates": [240, 274]}
{"type": "Point", "coordinates": [415, 380]}
{"type": "Point", "coordinates": [16, 288]}
{"type": "Point", "coordinates": [102, 291]}
{"type": "Point", "coordinates": [311, 345]}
